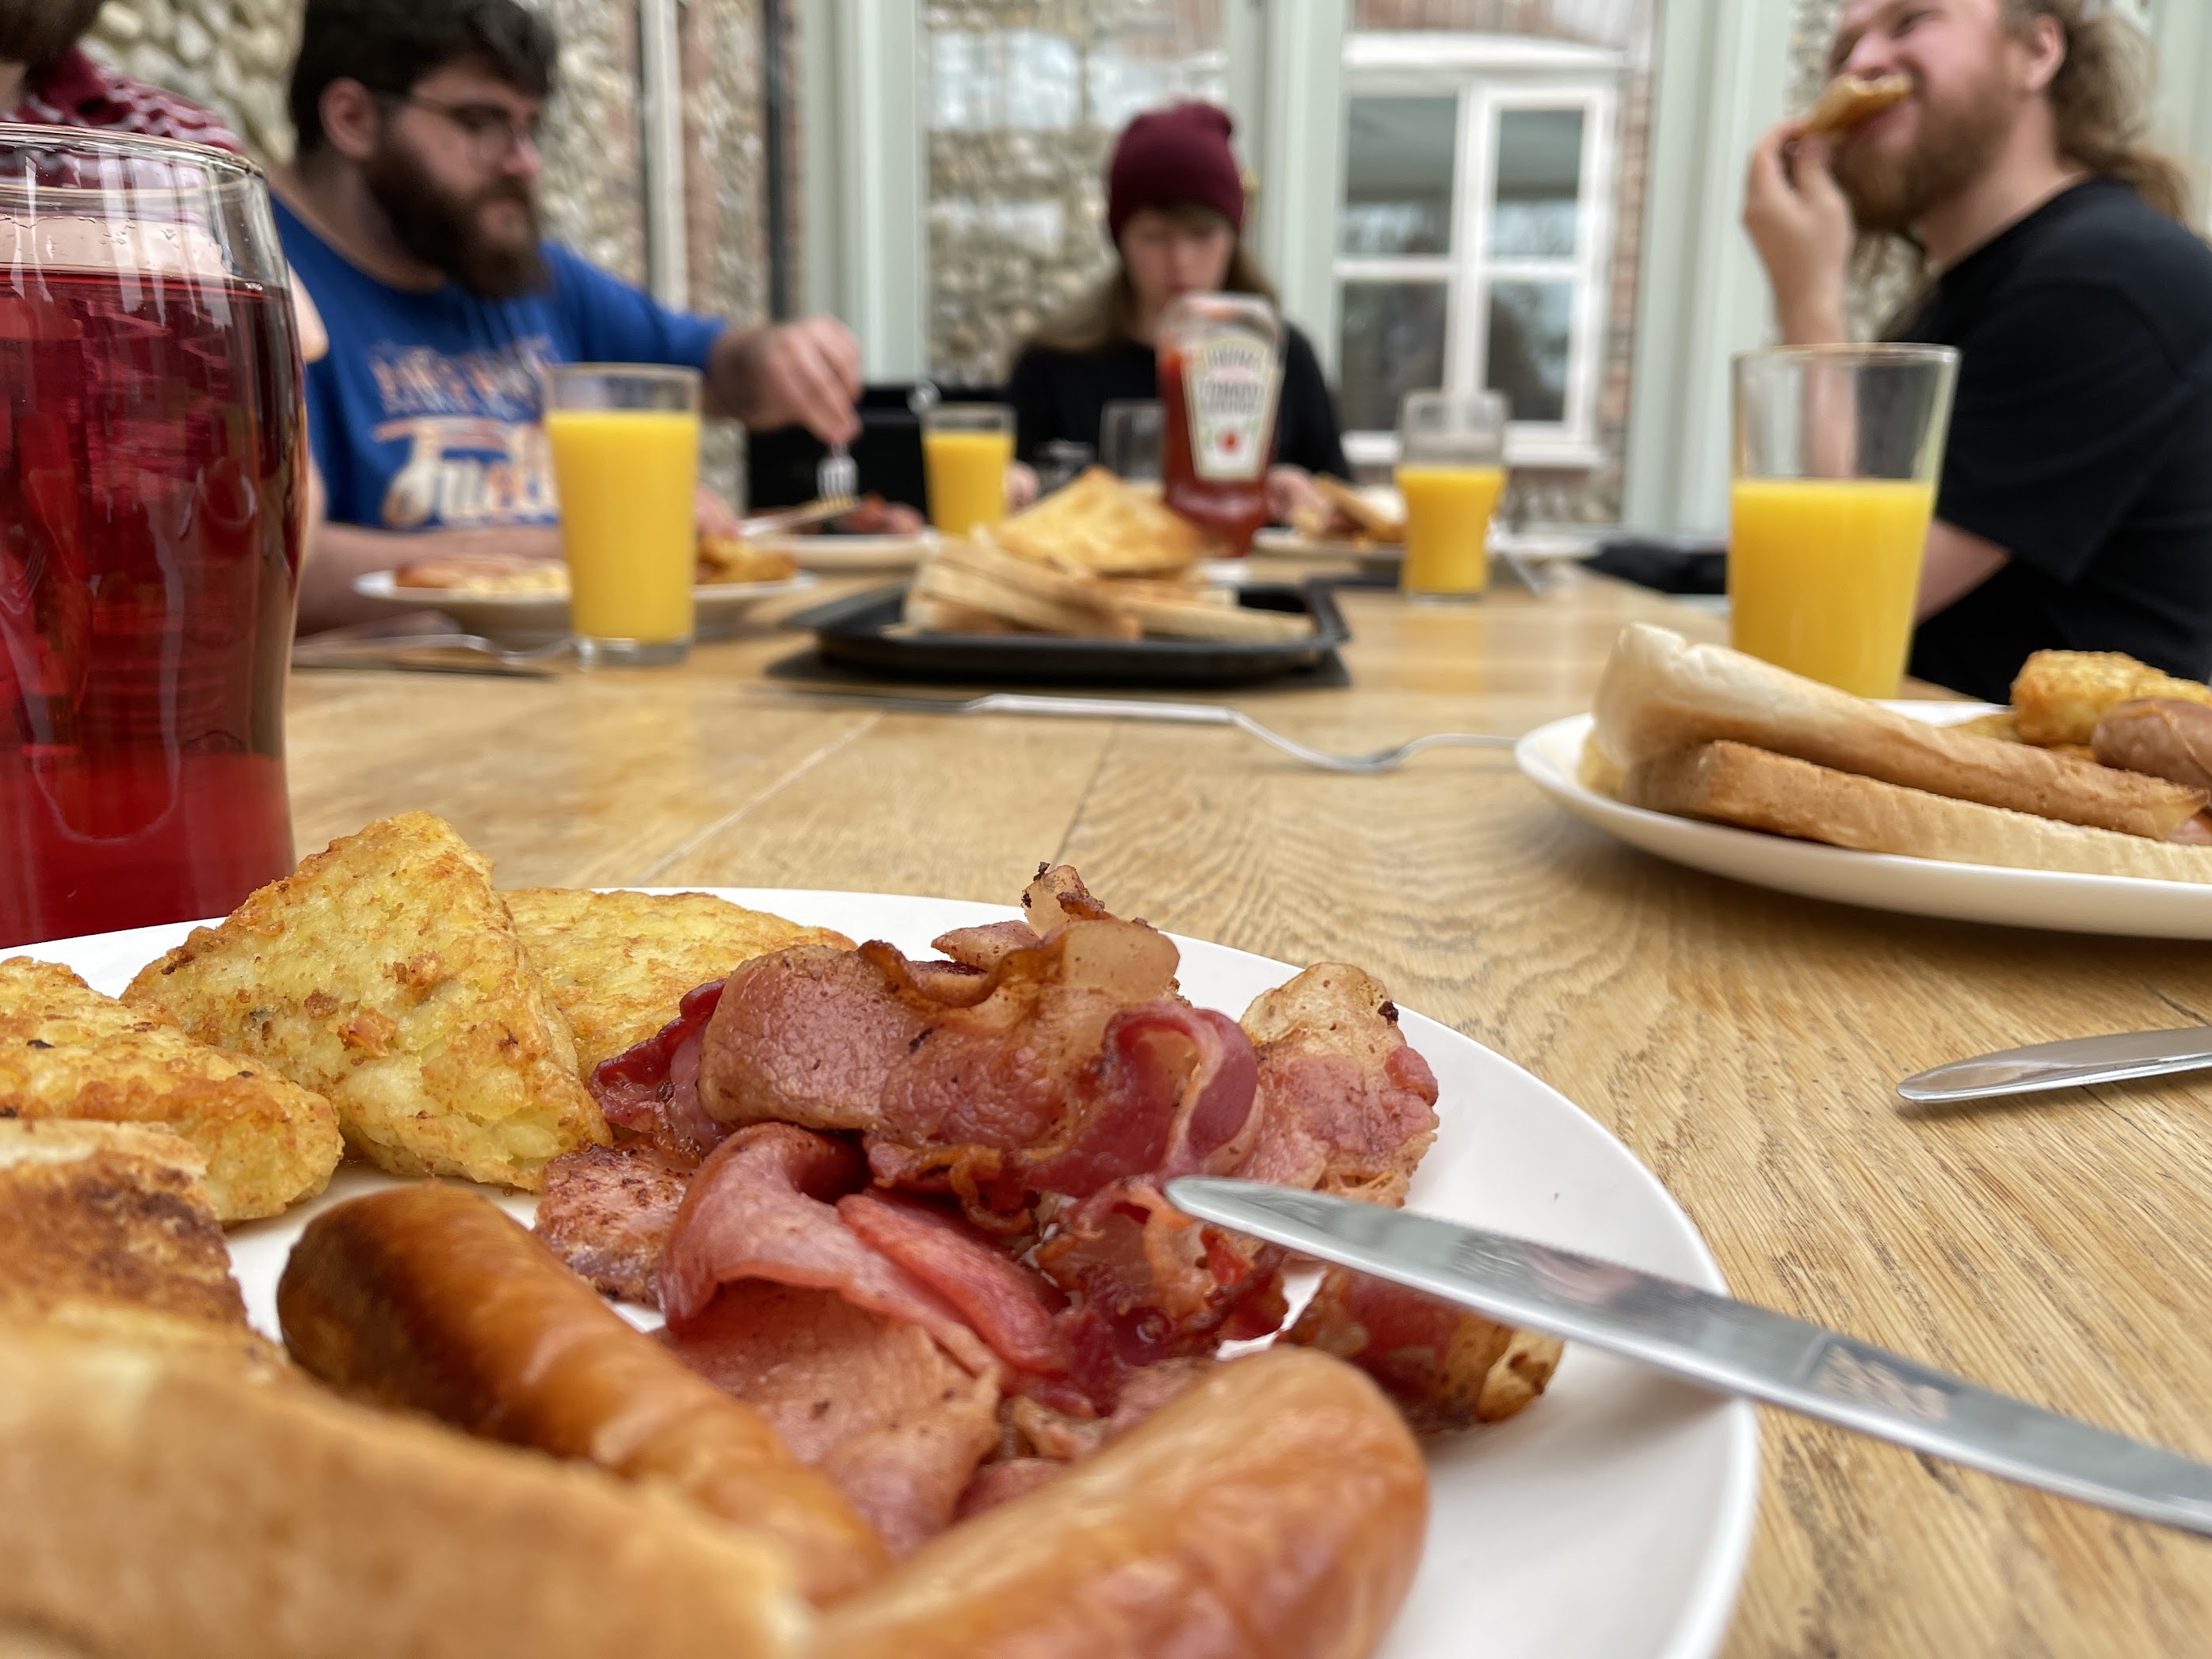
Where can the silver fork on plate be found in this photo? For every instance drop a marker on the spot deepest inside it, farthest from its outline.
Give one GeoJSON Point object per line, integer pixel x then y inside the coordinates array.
{"type": "Point", "coordinates": [836, 477]}
{"type": "Point", "coordinates": [1139, 708]}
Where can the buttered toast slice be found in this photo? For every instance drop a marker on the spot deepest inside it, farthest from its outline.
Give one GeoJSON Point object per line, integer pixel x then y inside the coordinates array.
{"type": "Point", "coordinates": [1734, 783]}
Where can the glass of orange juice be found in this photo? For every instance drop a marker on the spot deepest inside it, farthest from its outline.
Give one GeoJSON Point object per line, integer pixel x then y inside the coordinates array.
{"type": "Point", "coordinates": [625, 439]}
{"type": "Point", "coordinates": [965, 451]}
{"type": "Point", "coordinates": [1837, 450]}
{"type": "Point", "coordinates": [1451, 470]}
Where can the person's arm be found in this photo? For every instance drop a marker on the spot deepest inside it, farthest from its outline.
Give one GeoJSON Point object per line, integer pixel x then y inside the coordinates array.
{"type": "Point", "coordinates": [1800, 224]}
{"type": "Point", "coordinates": [1957, 563]}
{"type": "Point", "coordinates": [804, 373]}
{"type": "Point", "coordinates": [340, 552]}
{"type": "Point", "coordinates": [1311, 440]}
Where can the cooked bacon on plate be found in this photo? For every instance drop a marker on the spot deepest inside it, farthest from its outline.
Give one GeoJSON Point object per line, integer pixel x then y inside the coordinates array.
{"type": "Point", "coordinates": [1445, 1367]}
{"type": "Point", "coordinates": [764, 1206]}
{"type": "Point", "coordinates": [1345, 1104]}
{"type": "Point", "coordinates": [870, 1400]}
{"type": "Point", "coordinates": [607, 1212]}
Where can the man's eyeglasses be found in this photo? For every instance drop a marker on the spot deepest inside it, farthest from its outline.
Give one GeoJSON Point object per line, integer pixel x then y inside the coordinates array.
{"type": "Point", "coordinates": [493, 132]}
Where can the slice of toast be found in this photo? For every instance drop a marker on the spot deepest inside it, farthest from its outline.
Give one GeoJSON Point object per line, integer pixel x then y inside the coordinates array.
{"type": "Point", "coordinates": [1849, 100]}
{"type": "Point", "coordinates": [1098, 523]}
{"type": "Point", "coordinates": [978, 576]}
{"type": "Point", "coordinates": [67, 1051]}
{"type": "Point", "coordinates": [387, 974]}
{"type": "Point", "coordinates": [99, 1221]}
{"type": "Point", "coordinates": [1736, 784]}
{"type": "Point", "coordinates": [1358, 512]}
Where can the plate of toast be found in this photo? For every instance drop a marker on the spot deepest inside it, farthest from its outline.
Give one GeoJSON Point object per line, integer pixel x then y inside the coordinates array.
{"type": "Point", "coordinates": [314, 1352]}
{"type": "Point", "coordinates": [1098, 584]}
{"type": "Point", "coordinates": [2080, 807]}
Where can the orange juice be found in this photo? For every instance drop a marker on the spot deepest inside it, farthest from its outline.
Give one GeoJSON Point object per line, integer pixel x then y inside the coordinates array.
{"type": "Point", "coordinates": [627, 478]}
{"type": "Point", "coordinates": [967, 478]}
{"type": "Point", "coordinates": [1448, 511]}
{"type": "Point", "coordinates": [1823, 573]}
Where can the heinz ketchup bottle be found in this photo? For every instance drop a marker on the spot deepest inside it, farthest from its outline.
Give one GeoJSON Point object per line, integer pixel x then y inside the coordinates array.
{"type": "Point", "coordinates": [1221, 380]}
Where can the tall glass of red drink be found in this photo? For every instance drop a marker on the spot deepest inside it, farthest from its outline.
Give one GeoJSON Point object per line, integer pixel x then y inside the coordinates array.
{"type": "Point", "coordinates": [152, 499]}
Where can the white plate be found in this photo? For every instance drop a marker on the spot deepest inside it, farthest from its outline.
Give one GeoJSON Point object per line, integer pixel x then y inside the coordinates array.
{"type": "Point", "coordinates": [534, 618]}
{"type": "Point", "coordinates": [1610, 1521]}
{"type": "Point", "coordinates": [839, 554]}
{"type": "Point", "coordinates": [2129, 906]}
{"type": "Point", "coordinates": [1536, 545]}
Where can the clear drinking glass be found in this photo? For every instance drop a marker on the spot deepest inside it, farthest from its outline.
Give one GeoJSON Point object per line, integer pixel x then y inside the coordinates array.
{"type": "Point", "coordinates": [152, 498]}
{"type": "Point", "coordinates": [1838, 451]}
{"type": "Point", "coordinates": [625, 439]}
{"type": "Point", "coordinates": [966, 449]}
{"type": "Point", "coordinates": [1451, 470]}
{"type": "Point", "coordinates": [1129, 439]}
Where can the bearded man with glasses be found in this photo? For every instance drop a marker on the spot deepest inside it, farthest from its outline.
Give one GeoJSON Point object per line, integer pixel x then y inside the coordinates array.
{"type": "Point", "coordinates": [411, 215]}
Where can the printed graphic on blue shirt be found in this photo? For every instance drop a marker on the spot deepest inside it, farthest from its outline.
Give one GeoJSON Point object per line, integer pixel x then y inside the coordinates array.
{"type": "Point", "coordinates": [427, 411]}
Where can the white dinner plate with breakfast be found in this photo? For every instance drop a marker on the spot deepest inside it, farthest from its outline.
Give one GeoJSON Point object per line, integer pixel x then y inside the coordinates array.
{"type": "Point", "coordinates": [533, 618]}
{"type": "Point", "coordinates": [1963, 828]}
{"type": "Point", "coordinates": [1609, 1521]}
{"type": "Point", "coordinates": [853, 554]}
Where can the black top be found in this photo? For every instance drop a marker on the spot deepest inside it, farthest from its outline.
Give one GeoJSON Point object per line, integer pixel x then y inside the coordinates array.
{"type": "Point", "coordinates": [1059, 397]}
{"type": "Point", "coordinates": [2082, 442]}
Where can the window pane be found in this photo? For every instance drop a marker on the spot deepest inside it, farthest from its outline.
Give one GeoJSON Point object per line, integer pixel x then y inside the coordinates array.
{"type": "Point", "coordinates": [1398, 174]}
{"type": "Point", "coordinates": [1539, 172]}
{"type": "Point", "coordinates": [1530, 326]}
{"type": "Point", "coordinates": [1616, 23]}
{"type": "Point", "coordinates": [1393, 343]}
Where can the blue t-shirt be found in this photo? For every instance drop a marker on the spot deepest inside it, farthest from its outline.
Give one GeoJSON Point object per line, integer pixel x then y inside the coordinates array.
{"type": "Point", "coordinates": [426, 413]}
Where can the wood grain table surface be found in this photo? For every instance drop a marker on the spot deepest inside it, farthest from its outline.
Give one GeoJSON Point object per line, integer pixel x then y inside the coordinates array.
{"type": "Point", "coordinates": [1742, 1044]}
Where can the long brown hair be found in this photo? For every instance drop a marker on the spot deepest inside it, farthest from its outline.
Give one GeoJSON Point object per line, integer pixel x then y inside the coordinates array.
{"type": "Point", "coordinates": [38, 34]}
{"type": "Point", "coordinates": [1107, 316]}
{"type": "Point", "coordinates": [2101, 101]}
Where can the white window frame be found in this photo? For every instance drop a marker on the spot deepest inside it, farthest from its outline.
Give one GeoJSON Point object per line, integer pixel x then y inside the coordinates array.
{"type": "Point", "coordinates": [1490, 77]}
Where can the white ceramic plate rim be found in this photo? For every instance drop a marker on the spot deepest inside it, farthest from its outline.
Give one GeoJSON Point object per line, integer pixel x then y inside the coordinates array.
{"type": "Point", "coordinates": [1726, 1447]}
{"type": "Point", "coordinates": [2057, 899]}
{"type": "Point", "coordinates": [381, 585]}
{"type": "Point", "coordinates": [834, 553]}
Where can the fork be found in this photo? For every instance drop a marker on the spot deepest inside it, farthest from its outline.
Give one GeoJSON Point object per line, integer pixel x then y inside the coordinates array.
{"type": "Point", "coordinates": [836, 476]}
{"type": "Point", "coordinates": [344, 648]}
{"type": "Point", "coordinates": [1178, 713]}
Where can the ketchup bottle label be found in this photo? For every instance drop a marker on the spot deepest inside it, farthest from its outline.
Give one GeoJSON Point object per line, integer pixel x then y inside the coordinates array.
{"type": "Point", "coordinates": [1230, 382]}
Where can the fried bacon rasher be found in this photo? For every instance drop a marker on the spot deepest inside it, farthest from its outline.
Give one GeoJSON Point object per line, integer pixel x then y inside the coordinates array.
{"type": "Point", "coordinates": [970, 1151]}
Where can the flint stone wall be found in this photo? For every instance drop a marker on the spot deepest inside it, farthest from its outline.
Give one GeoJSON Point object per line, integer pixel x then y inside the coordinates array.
{"type": "Point", "coordinates": [235, 57]}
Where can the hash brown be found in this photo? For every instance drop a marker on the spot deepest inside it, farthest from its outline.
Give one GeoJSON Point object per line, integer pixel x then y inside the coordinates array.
{"type": "Point", "coordinates": [2060, 695]}
{"type": "Point", "coordinates": [67, 1051]}
{"type": "Point", "coordinates": [617, 963]}
{"type": "Point", "coordinates": [386, 973]}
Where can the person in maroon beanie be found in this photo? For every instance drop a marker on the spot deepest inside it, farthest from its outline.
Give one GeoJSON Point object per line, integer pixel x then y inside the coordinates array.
{"type": "Point", "coordinates": [1175, 210]}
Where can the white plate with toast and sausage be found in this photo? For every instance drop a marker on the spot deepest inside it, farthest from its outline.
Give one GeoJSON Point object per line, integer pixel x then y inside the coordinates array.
{"type": "Point", "coordinates": [2081, 808]}
{"type": "Point", "coordinates": [1610, 1519]}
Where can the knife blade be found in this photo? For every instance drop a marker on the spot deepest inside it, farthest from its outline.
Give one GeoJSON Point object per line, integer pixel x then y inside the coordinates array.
{"type": "Point", "coordinates": [1720, 1343]}
{"type": "Point", "coordinates": [2075, 1063]}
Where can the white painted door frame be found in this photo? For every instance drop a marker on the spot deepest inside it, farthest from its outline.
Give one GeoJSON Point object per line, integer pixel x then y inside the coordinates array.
{"type": "Point", "coordinates": [1701, 297]}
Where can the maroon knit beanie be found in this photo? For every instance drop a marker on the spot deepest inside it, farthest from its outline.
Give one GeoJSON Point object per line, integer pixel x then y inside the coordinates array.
{"type": "Point", "coordinates": [1171, 156]}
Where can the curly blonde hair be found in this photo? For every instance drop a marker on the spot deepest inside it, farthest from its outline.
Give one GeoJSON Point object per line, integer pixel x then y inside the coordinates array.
{"type": "Point", "coordinates": [2101, 100]}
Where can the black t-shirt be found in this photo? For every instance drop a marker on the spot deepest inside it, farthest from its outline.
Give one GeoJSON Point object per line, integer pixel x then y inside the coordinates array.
{"type": "Point", "coordinates": [1060, 396]}
{"type": "Point", "coordinates": [2082, 440]}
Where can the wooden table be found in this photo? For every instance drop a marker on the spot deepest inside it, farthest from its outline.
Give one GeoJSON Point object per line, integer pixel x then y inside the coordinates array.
{"type": "Point", "coordinates": [1742, 1044]}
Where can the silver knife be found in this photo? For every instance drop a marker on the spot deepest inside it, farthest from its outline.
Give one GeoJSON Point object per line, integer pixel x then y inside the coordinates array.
{"type": "Point", "coordinates": [1720, 1344]}
{"type": "Point", "coordinates": [2075, 1063]}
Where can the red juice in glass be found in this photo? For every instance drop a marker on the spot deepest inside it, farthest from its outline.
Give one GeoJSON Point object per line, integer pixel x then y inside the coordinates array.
{"type": "Point", "coordinates": [151, 472]}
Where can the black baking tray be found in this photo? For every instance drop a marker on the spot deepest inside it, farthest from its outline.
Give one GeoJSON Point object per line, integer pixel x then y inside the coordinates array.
{"type": "Point", "coordinates": [856, 633]}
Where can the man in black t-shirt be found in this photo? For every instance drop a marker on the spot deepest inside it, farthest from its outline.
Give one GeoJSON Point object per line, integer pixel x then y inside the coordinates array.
{"type": "Point", "coordinates": [2075, 506]}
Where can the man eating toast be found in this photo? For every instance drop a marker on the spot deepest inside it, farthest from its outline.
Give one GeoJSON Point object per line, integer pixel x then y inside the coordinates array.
{"type": "Point", "coordinates": [2074, 510]}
